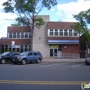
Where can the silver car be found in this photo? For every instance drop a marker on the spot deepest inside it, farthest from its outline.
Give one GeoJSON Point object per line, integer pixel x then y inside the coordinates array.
{"type": "Point", "coordinates": [87, 61]}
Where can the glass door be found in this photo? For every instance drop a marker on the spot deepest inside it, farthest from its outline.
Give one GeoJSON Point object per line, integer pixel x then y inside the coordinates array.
{"type": "Point", "coordinates": [53, 52]}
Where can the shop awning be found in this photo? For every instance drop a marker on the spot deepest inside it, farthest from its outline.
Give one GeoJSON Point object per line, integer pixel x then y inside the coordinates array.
{"type": "Point", "coordinates": [63, 41]}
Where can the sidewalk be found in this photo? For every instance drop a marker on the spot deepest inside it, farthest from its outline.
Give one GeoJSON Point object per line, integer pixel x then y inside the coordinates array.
{"type": "Point", "coordinates": [64, 60]}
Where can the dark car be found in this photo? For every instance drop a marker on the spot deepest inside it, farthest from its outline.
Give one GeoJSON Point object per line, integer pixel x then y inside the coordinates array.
{"type": "Point", "coordinates": [7, 57]}
{"type": "Point", "coordinates": [87, 61]}
{"type": "Point", "coordinates": [26, 57]}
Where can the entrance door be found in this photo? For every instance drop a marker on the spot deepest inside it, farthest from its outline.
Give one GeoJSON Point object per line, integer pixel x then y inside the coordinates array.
{"type": "Point", "coordinates": [53, 52]}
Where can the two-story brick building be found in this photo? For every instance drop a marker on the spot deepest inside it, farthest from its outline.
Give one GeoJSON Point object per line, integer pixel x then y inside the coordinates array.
{"type": "Point", "coordinates": [53, 39]}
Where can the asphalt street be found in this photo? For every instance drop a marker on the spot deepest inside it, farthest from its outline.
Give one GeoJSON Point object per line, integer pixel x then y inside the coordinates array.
{"type": "Point", "coordinates": [52, 74]}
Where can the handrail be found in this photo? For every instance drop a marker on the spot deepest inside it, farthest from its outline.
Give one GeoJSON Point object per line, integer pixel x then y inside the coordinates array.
{"type": "Point", "coordinates": [66, 55]}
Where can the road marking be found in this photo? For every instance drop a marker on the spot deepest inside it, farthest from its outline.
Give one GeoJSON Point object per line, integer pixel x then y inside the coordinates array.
{"type": "Point", "coordinates": [49, 65]}
{"type": "Point", "coordinates": [77, 65]}
{"type": "Point", "coordinates": [43, 82]}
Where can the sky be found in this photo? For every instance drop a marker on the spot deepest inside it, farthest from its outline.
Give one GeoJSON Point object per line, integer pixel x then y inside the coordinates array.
{"type": "Point", "coordinates": [63, 11]}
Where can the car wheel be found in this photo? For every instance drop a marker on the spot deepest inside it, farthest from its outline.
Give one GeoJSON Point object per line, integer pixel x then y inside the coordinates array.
{"type": "Point", "coordinates": [23, 62]}
{"type": "Point", "coordinates": [3, 61]}
{"type": "Point", "coordinates": [86, 63]}
{"type": "Point", "coordinates": [14, 62]}
{"type": "Point", "coordinates": [38, 61]}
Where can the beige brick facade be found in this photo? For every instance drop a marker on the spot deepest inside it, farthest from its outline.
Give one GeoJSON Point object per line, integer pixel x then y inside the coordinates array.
{"type": "Point", "coordinates": [40, 39]}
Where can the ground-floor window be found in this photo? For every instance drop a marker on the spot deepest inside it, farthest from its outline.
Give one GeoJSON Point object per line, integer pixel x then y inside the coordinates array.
{"type": "Point", "coordinates": [19, 48]}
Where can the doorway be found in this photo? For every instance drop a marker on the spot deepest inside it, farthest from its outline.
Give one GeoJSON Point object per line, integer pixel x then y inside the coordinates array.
{"type": "Point", "coordinates": [53, 52]}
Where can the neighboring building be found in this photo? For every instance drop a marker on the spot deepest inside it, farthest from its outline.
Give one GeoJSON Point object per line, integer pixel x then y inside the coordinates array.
{"type": "Point", "coordinates": [54, 39]}
{"type": "Point", "coordinates": [18, 38]}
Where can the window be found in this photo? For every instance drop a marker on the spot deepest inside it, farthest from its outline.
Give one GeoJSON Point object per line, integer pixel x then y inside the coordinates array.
{"type": "Point", "coordinates": [21, 46]}
{"type": "Point", "coordinates": [35, 53]}
{"type": "Point", "coordinates": [60, 32]}
{"type": "Point", "coordinates": [25, 46]}
{"type": "Point", "coordinates": [65, 32]}
{"type": "Point", "coordinates": [51, 32]}
{"type": "Point", "coordinates": [26, 35]}
{"type": "Point", "coordinates": [75, 33]}
{"type": "Point", "coordinates": [56, 32]}
{"type": "Point", "coordinates": [38, 53]}
{"type": "Point", "coordinates": [30, 54]}
{"type": "Point", "coordinates": [22, 35]}
{"type": "Point", "coordinates": [70, 32]}
{"type": "Point", "coordinates": [18, 35]}
{"type": "Point", "coordinates": [29, 35]}
{"type": "Point", "coordinates": [10, 35]}
{"type": "Point", "coordinates": [14, 35]}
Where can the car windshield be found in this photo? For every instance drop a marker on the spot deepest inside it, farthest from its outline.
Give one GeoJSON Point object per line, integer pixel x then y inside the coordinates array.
{"type": "Point", "coordinates": [24, 53]}
{"type": "Point", "coordinates": [88, 55]}
{"type": "Point", "coordinates": [5, 53]}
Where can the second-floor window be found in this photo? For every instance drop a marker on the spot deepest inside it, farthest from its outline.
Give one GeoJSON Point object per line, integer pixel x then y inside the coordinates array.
{"type": "Point", "coordinates": [25, 35]}
{"type": "Point", "coordinates": [18, 35]}
{"type": "Point", "coordinates": [22, 35]}
{"type": "Point", "coordinates": [10, 35]}
{"type": "Point", "coordinates": [14, 35]}
{"type": "Point", "coordinates": [70, 32]}
{"type": "Point", "coordinates": [75, 33]}
{"type": "Point", "coordinates": [62, 32]}
{"type": "Point", "coordinates": [56, 32]}
{"type": "Point", "coordinates": [51, 32]}
{"type": "Point", "coordinates": [65, 32]}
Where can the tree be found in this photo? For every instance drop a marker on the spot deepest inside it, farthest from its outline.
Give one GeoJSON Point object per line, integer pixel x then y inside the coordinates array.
{"type": "Point", "coordinates": [81, 26]}
{"type": "Point", "coordinates": [27, 12]}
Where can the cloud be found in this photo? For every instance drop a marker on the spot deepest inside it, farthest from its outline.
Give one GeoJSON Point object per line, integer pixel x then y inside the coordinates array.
{"type": "Point", "coordinates": [66, 11]}
{"type": "Point", "coordinates": [6, 19]}
{"type": "Point", "coordinates": [1, 2]}
{"type": "Point", "coordinates": [3, 27]}
{"type": "Point", "coordinates": [52, 9]}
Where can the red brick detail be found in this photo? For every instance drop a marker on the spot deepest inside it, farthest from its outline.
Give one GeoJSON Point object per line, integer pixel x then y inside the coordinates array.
{"type": "Point", "coordinates": [18, 29]}
{"type": "Point", "coordinates": [60, 25]}
{"type": "Point", "coordinates": [72, 48]}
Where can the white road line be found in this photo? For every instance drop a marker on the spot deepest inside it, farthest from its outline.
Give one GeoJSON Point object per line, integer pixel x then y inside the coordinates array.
{"type": "Point", "coordinates": [49, 65]}
{"type": "Point", "coordinates": [77, 65]}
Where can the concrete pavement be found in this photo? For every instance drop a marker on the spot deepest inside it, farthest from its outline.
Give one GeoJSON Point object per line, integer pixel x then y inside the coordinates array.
{"type": "Point", "coordinates": [64, 60]}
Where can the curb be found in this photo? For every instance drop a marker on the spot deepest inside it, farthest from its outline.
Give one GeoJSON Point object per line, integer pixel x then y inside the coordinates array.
{"type": "Point", "coordinates": [63, 60]}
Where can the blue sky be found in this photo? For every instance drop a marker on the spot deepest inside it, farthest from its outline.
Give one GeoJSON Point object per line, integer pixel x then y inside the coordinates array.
{"type": "Point", "coordinates": [63, 11]}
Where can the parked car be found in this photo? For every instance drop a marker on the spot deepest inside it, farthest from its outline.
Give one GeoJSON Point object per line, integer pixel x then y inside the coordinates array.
{"type": "Point", "coordinates": [87, 61]}
{"type": "Point", "coordinates": [7, 57]}
{"type": "Point", "coordinates": [28, 56]}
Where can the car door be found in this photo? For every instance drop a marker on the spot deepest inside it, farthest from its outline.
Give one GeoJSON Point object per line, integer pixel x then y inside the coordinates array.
{"type": "Point", "coordinates": [30, 56]}
{"type": "Point", "coordinates": [35, 55]}
{"type": "Point", "coordinates": [9, 56]}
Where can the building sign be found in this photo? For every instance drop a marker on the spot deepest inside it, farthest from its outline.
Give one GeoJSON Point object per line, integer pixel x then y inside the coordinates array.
{"type": "Point", "coordinates": [63, 41]}
{"type": "Point", "coordinates": [54, 46]}
{"type": "Point", "coordinates": [13, 44]}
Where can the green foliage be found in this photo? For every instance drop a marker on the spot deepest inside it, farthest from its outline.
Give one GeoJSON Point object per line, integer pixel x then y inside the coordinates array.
{"type": "Point", "coordinates": [28, 10]}
{"type": "Point", "coordinates": [15, 24]}
{"type": "Point", "coordinates": [8, 50]}
{"type": "Point", "coordinates": [39, 22]}
{"type": "Point", "coordinates": [81, 26]}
